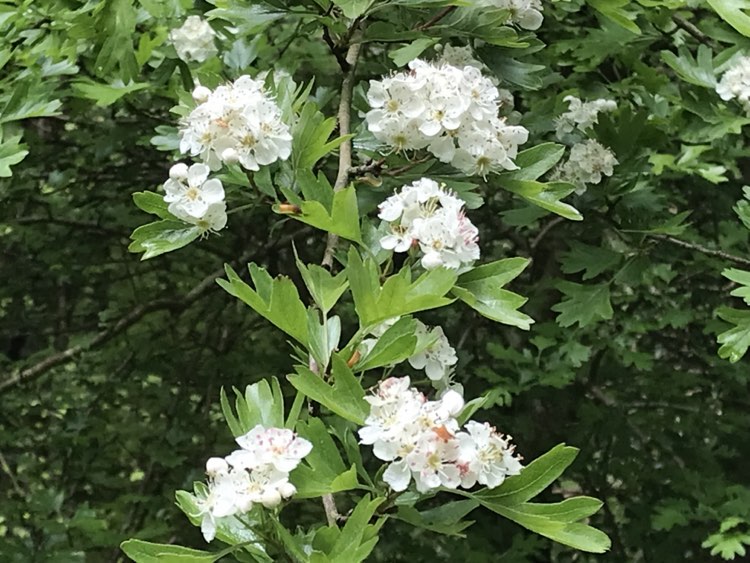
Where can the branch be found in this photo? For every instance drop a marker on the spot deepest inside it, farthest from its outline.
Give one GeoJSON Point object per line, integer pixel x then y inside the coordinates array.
{"type": "Point", "coordinates": [704, 249]}
{"type": "Point", "coordinates": [682, 23]}
{"type": "Point", "coordinates": [435, 19]}
{"type": "Point", "coordinates": [345, 150]}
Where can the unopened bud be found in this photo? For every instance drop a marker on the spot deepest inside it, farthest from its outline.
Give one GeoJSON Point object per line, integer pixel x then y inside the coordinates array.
{"type": "Point", "coordinates": [271, 498]}
{"type": "Point", "coordinates": [287, 489]}
{"type": "Point", "coordinates": [453, 402]}
{"type": "Point", "coordinates": [179, 171]}
{"type": "Point", "coordinates": [289, 208]}
{"type": "Point", "coordinates": [201, 94]}
{"type": "Point", "coordinates": [216, 465]}
{"type": "Point", "coordinates": [230, 156]}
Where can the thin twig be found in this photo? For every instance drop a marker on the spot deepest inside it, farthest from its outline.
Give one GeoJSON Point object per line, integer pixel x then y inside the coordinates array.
{"type": "Point", "coordinates": [690, 28]}
{"type": "Point", "coordinates": [435, 19]}
{"type": "Point", "coordinates": [345, 149]}
{"type": "Point", "coordinates": [9, 472]}
{"type": "Point", "coordinates": [704, 249]}
{"type": "Point", "coordinates": [545, 230]}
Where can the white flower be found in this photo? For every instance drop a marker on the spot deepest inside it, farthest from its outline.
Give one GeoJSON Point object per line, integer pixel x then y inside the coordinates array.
{"type": "Point", "coordinates": [588, 162]}
{"type": "Point", "coordinates": [192, 193]}
{"type": "Point", "coordinates": [735, 83]}
{"type": "Point", "coordinates": [425, 214]}
{"type": "Point", "coordinates": [256, 474]}
{"type": "Point", "coordinates": [582, 115]}
{"type": "Point", "coordinates": [279, 448]}
{"type": "Point", "coordinates": [438, 358]}
{"type": "Point", "coordinates": [194, 41]}
{"type": "Point", "coordinates": [450, 109]}
{"type": "Point", "coordinates": [525, 13]}
{"type": "Point", "coordinates": [237, 122]}
{"type": "Point", "coordinates": [485, 456]}
{"type": "Point", "coordinates": [421, 440]}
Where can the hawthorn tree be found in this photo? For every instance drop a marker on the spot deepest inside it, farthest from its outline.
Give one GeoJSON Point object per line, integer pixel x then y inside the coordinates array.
{"type": "Point", "coordinates": [387, 169]}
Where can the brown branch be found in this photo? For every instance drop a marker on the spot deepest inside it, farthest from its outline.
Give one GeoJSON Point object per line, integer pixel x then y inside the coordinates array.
{"type": "Point", "coordinates": [345, 149]}
{"type": "Point", "coordinates": [692, 30]}
{"type": "Point", "coordinates": [435, 19]}
{"type": "Point", "coordinates": [704, 249]}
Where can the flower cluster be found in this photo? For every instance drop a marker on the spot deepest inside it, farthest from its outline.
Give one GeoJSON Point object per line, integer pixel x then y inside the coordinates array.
{"type": "Point", "coordinates": [236, 122]}
{"type": "Point", "coordinates": [524, 13]}
{"type": "Point", "coordinates": [450, 111]}
{"type": "Point", "coordinates": [426, 214]}
{"type": "Point", "coordinates": [582, 115]}
{"type": "Point", "coordinates": [422, 441]}
{"type": "Point", "coordinates": [258, 473]}
{"type": "Point", "coordinates": [194, 41]}
{"type": "Point", "coordinates": [588, 161]}
{"type": "Point", "coordinates": [736, 83]}
{"type": "Point", "coordinates": [195, 199]}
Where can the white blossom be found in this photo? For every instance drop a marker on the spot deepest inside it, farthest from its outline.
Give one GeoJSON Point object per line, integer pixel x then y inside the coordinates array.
{"type": "Point", "coordinates": [451, 110]}
{"type": "Point", "coordinates": [236, 122]}
{"type": "Point", "coordinates": [258, 473]}
{"type": "Point", "coordinates": [422, 442]}
{"type": "Point", "coordinates": [425, 215]}
{"type": "Point", "coordinates": [582, 115]}
{"type": "Point", "coordinates": [486, 457]}
{"type": "Point", "coordinates": [735, 83]}
{"type": "Point", "coordinates": [587, 163]}
{"type": "Point", "coordinates": [438, 358]}
{"type": "Point", "coordinates": [527, 14]}
{"type": "Point", "coordinates": [195, 199]}
{"type": "Point", "coordinates": [194, 41]}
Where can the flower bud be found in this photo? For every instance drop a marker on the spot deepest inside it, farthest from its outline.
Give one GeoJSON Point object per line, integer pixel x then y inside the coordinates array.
{"type": "Point", "coordinates": [201, 94]}
{"type": "Point", "coordinates": [271, 498]}
{"type": "Point", "coordinates": [453, 402]}
{"type": "Point", "coordinates": [230, 156]}
{"type": "Point", "coordinates": [179, 171]}
{"type": "Point", "coordinates": [216, 465]}
{"type": "Point", "coordinates": [287, 489]}
{"type": "Point", "coordinates": [431, 260]}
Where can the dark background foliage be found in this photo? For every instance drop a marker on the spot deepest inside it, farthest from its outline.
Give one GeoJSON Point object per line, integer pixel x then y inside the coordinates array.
{"type": "Point", "coordinates": [112, 367]}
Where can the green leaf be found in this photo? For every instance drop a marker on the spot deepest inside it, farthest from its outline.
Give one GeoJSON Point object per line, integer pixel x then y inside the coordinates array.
{"type": "Point", "coordinates": [323, 337]}
{"type": "Point", "coordinates": [310, 137]}
{"type": "Point", "coordinates": [276, 300]}
{"type": "Point", "coordinates": [356, 540]}
{"type": "Point", "coordinates": [153, 203]}
{"type": "Point", "coordinates": [534, 162]}
{"type": "Point", "coordinates": [699, 72]}
{"type": "Point", "coordinates": [481, 289]}
{"type": "Point", "coordinates": [741, 277]}
{"type": "Point", "coordinates": [573, 534]}
{"type": "Point", "coordinates": [734, 13]}
{"type": "Point", "coordinates": [545, 195]}
{"type": "Point", "coordinates": [260, 404]}
{"type": "Point", "coordinates": [340, 216]}
{"type": "Point", "coordinates": [163, 236]}
{"type": "Point", "coordinates": [353, 8]}
{"type": "Point", "coordinates": [584, 304]}
{"type": "Point", "coordinates": [612, 10]}
{"type": "Point", "coordinates": [322, 471]}
{"type": "Point", "coordinates": [395, 345]}
{"type": "Point", "coordinates": [533, 479]}
{"type": "Point", "coordinates": [106, 94]}
{"type": "Point", "coordinates": [591, 260]}
{"type": "Point", "coordinates": [345, 397]}
{"type": "Point", "coordinates": [445, 519]}
{"type": "Point", "coordinates": [398, 296]}
{"type": "Point", "coordinates": [325, 289]}
{"type": "Point", "coordinates": [409, 52]}
{"type": "Point", "coordinates": [735, 341]}
{"type": "Point", "coordinates": [11, 152]}
{"type": "Point", "coordinates": [147, 552]}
